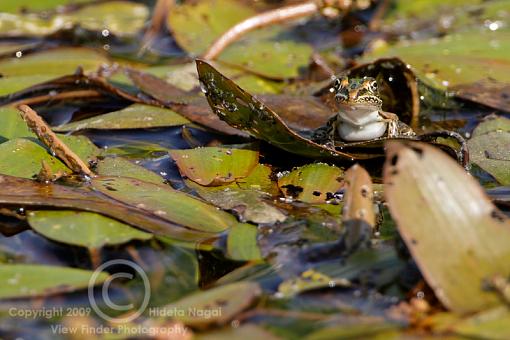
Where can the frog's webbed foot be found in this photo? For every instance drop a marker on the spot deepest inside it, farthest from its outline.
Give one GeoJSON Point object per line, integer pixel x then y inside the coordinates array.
{"type": "Point", "coordinates": [396, 128]}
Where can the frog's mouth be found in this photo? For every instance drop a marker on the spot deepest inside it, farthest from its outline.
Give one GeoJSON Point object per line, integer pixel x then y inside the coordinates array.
{"type": "Point", "coordinates": [359, 114]}
{"type": "Point", "coordinates": [368, 100]}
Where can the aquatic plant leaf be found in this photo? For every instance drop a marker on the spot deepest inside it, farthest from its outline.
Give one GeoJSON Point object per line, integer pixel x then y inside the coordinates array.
{"type": "Point", "coordinates": [245, 331]}
{"type": "Point", "coordinates": [248, 198]}
{"type": "Point", "coordinates": [213, 166]}
{"type": "Point", "coordinates": [82, 228]}
{"type": "Point", "coordinates": [359, 197]}
{"type": "Point", "coordinates": [136, 116]}
{"type": "Point", "coordinates": [22, 158]}
{"type": "Point", "coordinates": [13, 126]}
{"type": "Point", "coordinates": [216, 306]}
{"type": "Point", "coordinates": [27, 280]}
{"type": "Point", "coordinates": [243, 111]}
{"type": "Point", "coordinates": [365, 327]}
{"type": "Point", "coordinates": [312, 183]}
{"type": "Point", "coordinates": [14, 84]}
{"type": "Point", "coordinates": [29, 194]}
{"type": "Point", "coordinates": [121, 18]}
{"type": "Point", "coordinates": [472, 56]}
{"type": "Point", "coordinates": [489, 147]}
{"type": "Point", "coordinates": [195, 26]}
{"type": "Point", "coordinates": [165, 202]}
{"type": "Point", "coordinates": [487, 92]}
{"type": "Point", "coordinates": [118, 166]}
{"type": "Point", "coordinates": [59, 61]}
{"type": "Point", "coordinates": [439, 209]}
{"type": "Point", "coordinates": [38, 5]}
{"type": "Point", "coordinates": [242, 243]}
{"type": "Point", "coordinates": [490, 324]}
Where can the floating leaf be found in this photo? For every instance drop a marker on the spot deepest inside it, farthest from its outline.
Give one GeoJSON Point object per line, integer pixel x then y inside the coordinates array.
{"type": "Point", "coordinates": [359, 197]}
{"type": "Point", "coordinates": [24, 280]}
{"type": "Point", "coordinates": [118, 166]}
{"type": "Point", "coordinates": [136, 116]}
{"type": "Point", "coordinates": [487, 92]}
{"type": "Point", "coordinates": [83, 228]}
{"type": "Point", "coordinates": [447, 212]}
{"type": "Point", "coordinates": [31, 5]}
{"type": "Point", "coordinates": [244, 331]}
{"type": "Point", "coordinates": [214, 166]}
{"type": "Point", "coordinates": [22, 192]}
{"type": "Point", "coordinates": [242, 243]}
{"type": "Point", "coordinates": [12, 125]}
{"type": "Point", "coordinates": [312, 183]}
{"type": "Point", "coordinates": [490, 148]}
{"type": "Point", "coordinates": [14, 84]}
{"type": "Point", "coordinates": [121, 18]}
{"type": "Point", "coordinates": [246, 197]}
{"type": "Point", "coordinates": [217, 305]}
{"type": "Point", "coordinates": [59, 61]}
{"type": "Point", "coordinates": [167, 203]}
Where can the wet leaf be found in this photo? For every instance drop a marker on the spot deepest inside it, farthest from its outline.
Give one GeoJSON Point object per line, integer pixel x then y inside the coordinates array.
{"type": "Point", "coordinates": [247, 197]}
{"type": "Point", "coordinates": [121, 18]}
{"type": "Point", "coordinates": [489, 92]}
{"type": "Point", "coordinates": [242, 243]}
{"type": "Point", "coordinates": [59, 61]}
{"type": "Point", "coordinates": [22, 192]}
{"type": "Point", "coordinates": [359, 197]}
{"type": "Point", "coordinates": [447, 212]}
{"type": "Point", "coordinates": [22, 158]}
{"type": "Point", "coordinates": [245, 332]}
{"type": "Point", "coordinates": [196, 25]}
{"type": "Point", "coordinates": [490, 148]}
{"type": "Point", "coordinates": [213, 166]}
{"type": "Point", "coordinates": [83, 228]}
{"type": "Point", "coordinates": [167, 203]}
{"type": "Point", "coordinates": [118, 166]}
{"type": "Point", "coordinates": [218, 305]}
{"type": "Point", "coordinates": [365, 327]}
{"type": "Point", "coordinates": [309, 280]}
{"type": "Point", "coordinates": [460, 58]}
{"type": "Point", "coordinates": [12, 125]}
{"type": "Point", "coordinates": [14, 84]}
{"type": "Point", "coordinates": [312, 183]}
{"type": "Point", "coordinates": [23, 280]}
{"type": "Point", "coordinates": [491, 324]}
{"type": "Point", "coordinates": [136, 116]}
{"type": "Point", "coordinates": [38, 5]}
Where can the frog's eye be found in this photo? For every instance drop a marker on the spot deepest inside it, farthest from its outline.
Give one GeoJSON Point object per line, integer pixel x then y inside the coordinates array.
{"type": "Point", "coordinates": [373, 86]}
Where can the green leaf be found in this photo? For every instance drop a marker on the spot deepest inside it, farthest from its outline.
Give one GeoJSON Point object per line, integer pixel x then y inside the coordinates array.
{"type": "Point", "coordinates": [489, 148]}
{"type": "Point", "coordinates": [84, 229]}
{"type": "Point", "coordinates": [14, 84]}
{"type": "Point", "coordinates": [242, 243]}
{"type": "Point", "coordinates": [120, 18]}
{"type": "Point", "coordinates": [13, 126]}
{"type": "Point", "coordinates": [55, 62]}
{"type": "Point", "coordinates": [447, 212]}
{"type": "Point", "coordinates": [25, 280]}
{"type": "Point", "coordinates": [173, 205]}
{"type": "Point", "coordinates": [118, 166]}
{"type": "Point", "coordinates": [212, 166]}
{"type": "Point", "coordinates": [38, 5]}
{"type": "Point", "coordinates": [312, 183]}
{"type": "Point", "coordinates": [136, 116]}
{"type": "Point", "coordinates": [217, 305]}
{"type": "Point", "coordinates": [22, 158]}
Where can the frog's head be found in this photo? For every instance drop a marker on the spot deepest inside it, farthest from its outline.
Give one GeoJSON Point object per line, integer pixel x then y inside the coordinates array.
{"type": "Point", "coordinates": [362, 92]}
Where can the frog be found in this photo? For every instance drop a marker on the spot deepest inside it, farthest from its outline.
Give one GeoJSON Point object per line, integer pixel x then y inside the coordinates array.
{"type": "Point", "coordinates": [360, 116]}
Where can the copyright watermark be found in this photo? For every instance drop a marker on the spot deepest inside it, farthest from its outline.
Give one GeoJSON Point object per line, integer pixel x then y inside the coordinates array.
{"type": "Point", "coordinates": [135, 311]}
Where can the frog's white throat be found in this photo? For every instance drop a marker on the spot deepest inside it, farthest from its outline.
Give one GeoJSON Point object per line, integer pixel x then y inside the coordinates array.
{"type": "Point", "coordinates": [360, 123]}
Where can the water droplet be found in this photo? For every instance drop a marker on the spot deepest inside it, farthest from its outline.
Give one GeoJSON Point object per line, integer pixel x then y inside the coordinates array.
{"type": "Point", "coordinates": [105, 32]}
{"type": "Point", "coordinates": [19, 54]}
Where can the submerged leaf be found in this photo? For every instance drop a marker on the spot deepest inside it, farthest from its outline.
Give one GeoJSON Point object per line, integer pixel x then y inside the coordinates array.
{"type": "Point", "coordinates": [440, 209]}
{"type": "Point", "coordinates": [242, 243]}
{"type": "Point", "coordinates": [212, 166]}
{"type": "Point", "coordinates": [26, 280]}
{"type": "Point", "coordinates": [85, 229]}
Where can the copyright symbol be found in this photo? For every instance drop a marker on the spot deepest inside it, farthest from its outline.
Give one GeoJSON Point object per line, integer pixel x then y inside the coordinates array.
{"type": "Point", "coordinates": [105, 291]}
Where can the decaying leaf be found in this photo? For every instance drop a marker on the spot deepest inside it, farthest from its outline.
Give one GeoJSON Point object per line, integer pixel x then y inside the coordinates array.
{"type": "Point", "coordinates": [358, 197]}
{"type": "Point", "coordinates": [455, 234]}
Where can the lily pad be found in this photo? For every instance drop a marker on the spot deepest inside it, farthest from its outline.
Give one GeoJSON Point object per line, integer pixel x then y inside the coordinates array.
{"type": "Point", "coordinates": [312, 183]}
{"type": "Point", "coordinates": [242, 243]}
{"type": "Point", "coordinates": [218, 305]}
{"type": "Point", "coordinates": [59, 61]}
{"type": "Point", "coordinates": [40, 5]}
{"type": "Point", "coordinates": [214, 166]}
{"type": "Point", "coordinates": [118, 166]}
{"type": "Point", "coordinates": [490, 148]}
{"type": "Point", "coordinates": [167, 203]}
{"type": "Point", "coordinates": [136, 116]}
{"type": "Point", "coordinates": [121, 18]}
{"type": "Point", "coordinates": [12, 125]}
{"type": "Point", "coordinates": [26, 280]}
{"type": "Point", "coordinates": [248, 198]}
{"type": "Point", "coordinates": [83, 228]}
{"type": "Point", "coordinates": [447, 212]}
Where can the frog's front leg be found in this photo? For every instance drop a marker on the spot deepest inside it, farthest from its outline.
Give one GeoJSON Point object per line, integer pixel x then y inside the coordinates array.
{"type": "Point", "coordinates": [325, 135]}
{"type": "Point", "coordinates": [392, 120]}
